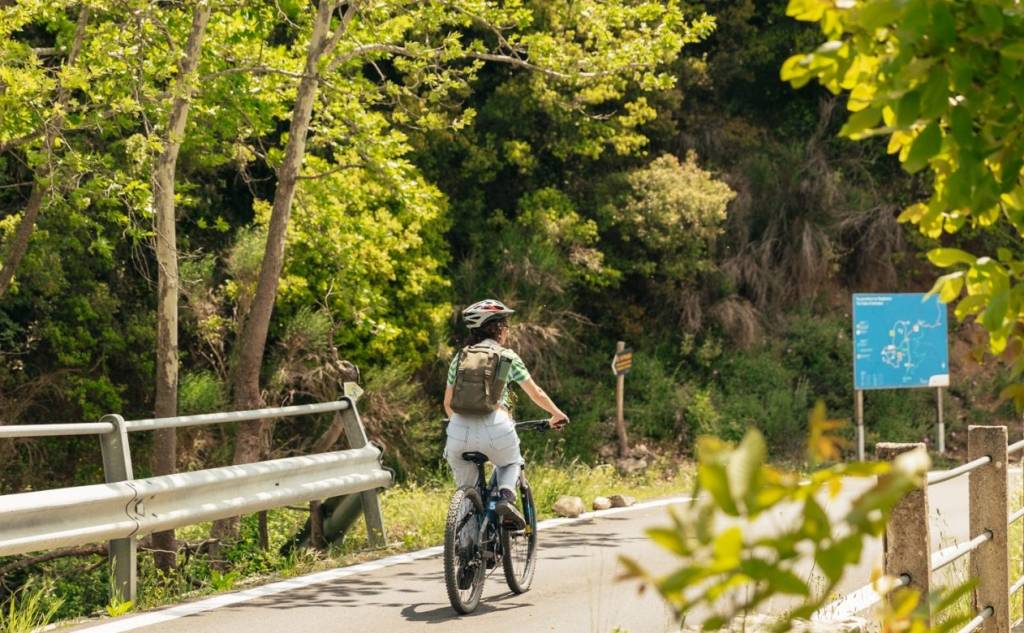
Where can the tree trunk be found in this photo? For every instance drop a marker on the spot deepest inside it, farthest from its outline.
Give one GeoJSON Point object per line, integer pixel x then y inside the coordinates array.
{"type": "Point", "coordinates": [19, 243]}
{"type": "Point", "coordinates": [252, 343]}
{"type": "Point", "coordinates": [165, 442]}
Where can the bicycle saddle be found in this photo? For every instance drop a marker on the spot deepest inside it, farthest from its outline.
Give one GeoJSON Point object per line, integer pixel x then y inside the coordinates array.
{"type": "Point", "coordinates": [476, 458]}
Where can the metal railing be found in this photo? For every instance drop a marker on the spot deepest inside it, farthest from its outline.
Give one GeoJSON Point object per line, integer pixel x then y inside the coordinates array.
{"type": "Point", "coordinates": [124, 508]}
{"type": "Point", "coordinates": [978, 620]}
{"type": "Point", "coordinates": [939, 476]}
{"type": "Point", "coordinates": [955, 552]}
{"type": "Point", "coordinates": [908, 543]}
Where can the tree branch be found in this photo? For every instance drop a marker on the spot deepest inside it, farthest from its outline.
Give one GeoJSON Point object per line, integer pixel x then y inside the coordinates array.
{"type": "Point", "coordinates": [19, 244]}
{"type": "Point", "coordinates": [22, 563]}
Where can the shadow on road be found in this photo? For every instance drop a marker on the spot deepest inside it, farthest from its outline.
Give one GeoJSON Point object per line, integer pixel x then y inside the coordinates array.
{"type": "Point", "coordinates": [440, 615]}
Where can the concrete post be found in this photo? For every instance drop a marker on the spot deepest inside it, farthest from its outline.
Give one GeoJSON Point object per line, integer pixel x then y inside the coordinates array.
{"type": "Point", "coordinates": [117, 466]}
{"type": "Point", "coordinates": [907, 535]}
{"type": "Point", "coordinates": [356, 434]}
{"type": "Point", "coordinates": [990, 565]}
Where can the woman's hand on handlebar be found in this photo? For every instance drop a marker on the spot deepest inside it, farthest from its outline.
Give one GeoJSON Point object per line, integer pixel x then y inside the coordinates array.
{"type": "Point", "coordinates": [558, 421]}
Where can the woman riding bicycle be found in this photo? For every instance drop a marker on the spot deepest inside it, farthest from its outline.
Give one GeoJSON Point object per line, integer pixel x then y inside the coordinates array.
{"type": "Point", "coordinates": [472, 426]}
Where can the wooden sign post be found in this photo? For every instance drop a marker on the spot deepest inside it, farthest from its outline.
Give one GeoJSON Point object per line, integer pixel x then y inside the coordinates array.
{"type": "Point", "coordinates": [621, 364]}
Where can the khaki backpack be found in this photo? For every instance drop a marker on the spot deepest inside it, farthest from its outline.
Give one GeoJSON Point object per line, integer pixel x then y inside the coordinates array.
{"type": "Point", "coordinates": [480, 379]}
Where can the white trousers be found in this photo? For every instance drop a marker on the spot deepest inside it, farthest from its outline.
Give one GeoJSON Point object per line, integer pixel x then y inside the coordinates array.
{"type": "Point", "coordinates": [495, 436]}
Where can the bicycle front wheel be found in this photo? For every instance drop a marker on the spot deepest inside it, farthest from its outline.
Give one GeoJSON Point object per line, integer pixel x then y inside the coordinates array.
{"type": "Point", "coordinates": [519, 547]}
{"type": "Point", "coordinates": [463, 559]}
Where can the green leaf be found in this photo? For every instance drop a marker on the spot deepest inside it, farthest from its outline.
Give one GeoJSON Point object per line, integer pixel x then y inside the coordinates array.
{"type": "Point", "coordinates": [744, 467]}
{"type": "Point", "coordinates": [727, 548]}
{"type": "Point", "coordinates": [946, 257]}
{"type": "Point", "coordinates": [670, 539]}
{"type": "Point", "coordinates": [927, 144]}
{"type": "Point", "coordinates": [935, 94]}
{"type": "Point", "coordinates": [681, 579]}
{"type": "Point", "coordinates": [1014, 50]}
{"type": "Point", "coordinates": [713, 478]}
{"type": "Point", "coordinates": [816, 523]}
{"type": "Point", "coordinates": [943, 24]}
{"type": "Point", "coordinates": [908, 108]}
{"type": "Point", "coordinates": [878, 13]}
{"type": "Point", "coordinates": [962, 127]}
{"type": "Point", "coordinates": [860, 121]}
{"type": "Point", "coordinates": [995, 313]}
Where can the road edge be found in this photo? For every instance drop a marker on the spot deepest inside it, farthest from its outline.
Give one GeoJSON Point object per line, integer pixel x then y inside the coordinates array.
{"type": "Point", "coordinates": [166, 614]}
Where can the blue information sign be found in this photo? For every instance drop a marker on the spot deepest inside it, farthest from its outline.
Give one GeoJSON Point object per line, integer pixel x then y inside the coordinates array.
{"type": "Point", "coordinates": [900, 341]}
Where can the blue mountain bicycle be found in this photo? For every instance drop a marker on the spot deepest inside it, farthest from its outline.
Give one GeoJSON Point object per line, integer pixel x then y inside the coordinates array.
{"type": "Point", "coordinates": [475, 538]}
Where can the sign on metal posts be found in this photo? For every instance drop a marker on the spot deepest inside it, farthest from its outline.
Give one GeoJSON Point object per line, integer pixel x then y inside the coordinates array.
{"type": "Point", "coordinates": [900, 341]}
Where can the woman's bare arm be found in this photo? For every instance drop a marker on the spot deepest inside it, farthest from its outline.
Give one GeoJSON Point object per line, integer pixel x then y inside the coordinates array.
{"type": "Point", "coordinates": [542, 400]}
{"type": "Point", "coordinates": [448, 390]}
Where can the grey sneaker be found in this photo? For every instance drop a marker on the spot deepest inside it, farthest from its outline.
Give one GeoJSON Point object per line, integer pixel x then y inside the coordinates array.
{"type": "Point", "coordinates": [509, 513]}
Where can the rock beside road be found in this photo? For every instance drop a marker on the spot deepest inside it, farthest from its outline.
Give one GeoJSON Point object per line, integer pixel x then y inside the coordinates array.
{"type": "Point", "coordinates": [602, 503]}
{"type": "Point", "coordinates": [622, 501]}
{"type": "Point", "coordinates": [631, 465]}
{"type": "Point", "coordinates": [569, 507]}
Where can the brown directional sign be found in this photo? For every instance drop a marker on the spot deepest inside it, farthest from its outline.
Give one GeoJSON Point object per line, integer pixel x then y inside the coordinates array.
{"type": "Point", "coordinates": [622, 362]}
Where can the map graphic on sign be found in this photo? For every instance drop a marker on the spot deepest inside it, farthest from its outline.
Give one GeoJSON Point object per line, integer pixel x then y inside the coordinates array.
{"type": "Point", "coordinates": [900, 341]}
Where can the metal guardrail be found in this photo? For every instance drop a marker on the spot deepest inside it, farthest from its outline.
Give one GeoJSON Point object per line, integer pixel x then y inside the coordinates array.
{"type": "Point", "coordinates": [125, 508]}
{"type": "Point", "coordinates": [954, 552]}
{"type": "Point", "coordinates": [61, 517]}
{"type": "Point", "coordinates": [181, 421]}
{"type": "Point", "coordinates": [54, 430]}
{"type": "Point", "coordinates": [983, 615]}
{"type": "Point", "coordinates": [1017, 586]}
{"type": "Point", "coordinates": [939, 476]}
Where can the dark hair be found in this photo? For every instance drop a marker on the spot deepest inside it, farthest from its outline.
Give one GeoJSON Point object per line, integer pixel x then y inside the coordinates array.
{"type": "Point", "coordinates": [492, 329]}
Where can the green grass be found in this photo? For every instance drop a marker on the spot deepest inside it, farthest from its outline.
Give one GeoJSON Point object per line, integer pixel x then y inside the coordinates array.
{"type": "Point", "coordinates": [29, 609]}
{"type": "Point", "coordinates": [414, 515]}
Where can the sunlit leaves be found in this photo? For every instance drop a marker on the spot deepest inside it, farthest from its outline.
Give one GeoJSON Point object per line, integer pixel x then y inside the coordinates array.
{"type": "Point", "coordinates": [951, 97]}
{"type": "Point", "coordinates": [730, 562]}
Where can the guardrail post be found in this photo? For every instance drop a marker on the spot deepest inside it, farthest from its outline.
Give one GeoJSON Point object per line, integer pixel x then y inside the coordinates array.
{"type": "Point", "coordinates": [117, 466]}
{"type": "Point", "coordinates": [356, 434]}
{"type": "Point", "coordinates": [907, 534]}
{"type": "Point", "coordinates": [990, 561]}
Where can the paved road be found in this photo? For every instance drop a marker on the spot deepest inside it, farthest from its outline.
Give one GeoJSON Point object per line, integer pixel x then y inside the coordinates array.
{"type": "Point", "coordinates": [574, 592]}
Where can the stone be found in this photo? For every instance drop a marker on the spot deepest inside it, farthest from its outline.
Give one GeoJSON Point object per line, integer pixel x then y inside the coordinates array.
{"type": "Point", "coordinates": [631, 465]}
{"type": "Point", "coordinates": [602, 503]}
{"type": "Point", "coordinates": [570, 507]}
{"type": "Point", "coordinates": [622, 501]}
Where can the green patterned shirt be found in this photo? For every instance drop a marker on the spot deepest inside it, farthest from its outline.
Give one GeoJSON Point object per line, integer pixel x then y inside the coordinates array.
{"type": "Point", "coordinates": [517, 373]}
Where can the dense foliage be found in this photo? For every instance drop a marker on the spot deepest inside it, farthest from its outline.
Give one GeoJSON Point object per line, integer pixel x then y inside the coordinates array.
{"type": "Point", "coordinates": [944, 82]}
{"type": "Point", "coordinates": [688, 203]}
{"type": "Point", "coordinates": [630, 170]}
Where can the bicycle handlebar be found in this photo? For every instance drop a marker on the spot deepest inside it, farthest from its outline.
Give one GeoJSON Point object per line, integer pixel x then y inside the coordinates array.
{"type": "Point", "coordinates": [535, 425]}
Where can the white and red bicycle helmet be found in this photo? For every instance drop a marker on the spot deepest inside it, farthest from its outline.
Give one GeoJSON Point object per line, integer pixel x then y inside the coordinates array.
{"type": "Point", "coordinates": [483, 311]}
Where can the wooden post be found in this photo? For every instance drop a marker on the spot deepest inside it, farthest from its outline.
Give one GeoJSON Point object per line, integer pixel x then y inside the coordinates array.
{"type": "Point", "coordinates": [858, 406]}
{"type": "Point", "coordinates": [620, 414]}
{"type": "Point", "coordinates": [316, 526]}
{"type": "Point", "coordinates": [942, 421]}
{"type": "Point", "coordinates": [907, 535]}
{"type": "Point", "coordinates": [990, 564]}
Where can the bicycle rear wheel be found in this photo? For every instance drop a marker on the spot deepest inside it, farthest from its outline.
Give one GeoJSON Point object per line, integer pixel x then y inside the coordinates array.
{"type": "Point", "coordinates": [463, 559]}
{"type": "Point", "coordinates": [519, 547]}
